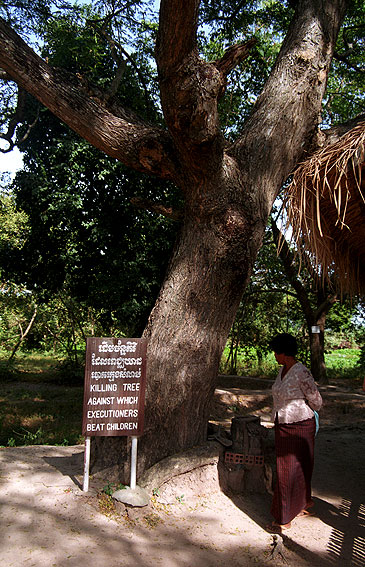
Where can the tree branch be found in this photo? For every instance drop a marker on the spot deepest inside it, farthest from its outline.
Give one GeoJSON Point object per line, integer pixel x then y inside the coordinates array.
{"type": "Point", "coordinates": [23, 335]}
{"type": "Point", "coordinates": [190, 88]}
{"type": "Point", "coordinates": [349, 49]}
{"type": "Point", "coordinates": [325, 306]}
{"type": "Point", "coordinates": [17, 118]}
{"type": "Point", "coordinates": [121, 63]}
{"type": "Point", "coordinates": [177, 33]}
{"type": "Point", "coordinates": [291, 95]}
{"type": "Point", "coordinates": [332, 135]}
{"type": "Point", "coordinates": [287, 261]}
{"type": "Point", "coordinates": [348, 63]}
{"type": "Point", "coordinates": [233, 57]}
{"type": "Point", "coordinates": [114, 130]}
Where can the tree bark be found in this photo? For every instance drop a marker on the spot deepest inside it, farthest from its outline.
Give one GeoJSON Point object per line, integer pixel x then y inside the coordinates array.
{"type": "Point", "coordinates": [229, 191]}
{"type": "Point", "coordinates": [316, 340]}
{"type": "Point", "coordinates": [316, 343]}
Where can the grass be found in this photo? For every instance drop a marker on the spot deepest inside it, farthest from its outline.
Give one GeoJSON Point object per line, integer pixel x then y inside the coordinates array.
{"type": "Point", "coordinates": [35, 407]}
{"type": "Point", "coordinates": [249, 365]}
{"type": "Point", "coordinates": [341, 364]}
{"type": "Point", "coordinates": [41, 397]}
{"type": "Point", "coordinates": [344, 364]}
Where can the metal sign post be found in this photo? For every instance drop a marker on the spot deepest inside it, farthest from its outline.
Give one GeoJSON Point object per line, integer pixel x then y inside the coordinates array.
{"type": "Point", "coordinates": [134, 463]}
{"type": "Point", "coordinates": [85, 486]}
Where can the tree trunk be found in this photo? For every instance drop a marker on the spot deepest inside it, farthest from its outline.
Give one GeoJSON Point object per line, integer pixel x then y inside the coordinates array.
{"type": "Point", "coordinates": [188, 328]}
{"type": "Point", "coordinates": [314, 316]}
{"type": "Point", "coordinates": [23, 335]}
{"type": "Point", "coordinates": [318, 366]}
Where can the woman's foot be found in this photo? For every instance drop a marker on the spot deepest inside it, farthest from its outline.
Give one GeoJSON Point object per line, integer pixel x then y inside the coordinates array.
{"type": "Point", "coordinates": [275, 528]}
{"type": "Point", "coordinates": [307, 510]}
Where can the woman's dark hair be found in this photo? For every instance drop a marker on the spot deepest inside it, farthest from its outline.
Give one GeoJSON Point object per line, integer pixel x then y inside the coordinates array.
{"type": "Point", "coordinates": [284, 344]}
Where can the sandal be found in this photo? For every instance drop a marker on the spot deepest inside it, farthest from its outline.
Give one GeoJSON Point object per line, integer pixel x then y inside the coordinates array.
{"type": "Point", "coordinates": [305, 513]}
{"type": "Point", "coordinates": [307, 510]}
{"type": "Point", "coordinates": [275, 528]}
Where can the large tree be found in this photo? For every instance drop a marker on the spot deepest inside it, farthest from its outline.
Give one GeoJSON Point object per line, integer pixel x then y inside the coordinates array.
{"type": "Point", "coordinates": [228, 187]}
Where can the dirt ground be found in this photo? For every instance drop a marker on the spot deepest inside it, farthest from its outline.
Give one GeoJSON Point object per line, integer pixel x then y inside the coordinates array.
{"type": "Point", "coordinates": [48, 521]}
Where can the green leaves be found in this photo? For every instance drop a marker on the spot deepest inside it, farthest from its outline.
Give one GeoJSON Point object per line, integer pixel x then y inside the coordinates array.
{"type": "Point", "coordinates": [84, 235]}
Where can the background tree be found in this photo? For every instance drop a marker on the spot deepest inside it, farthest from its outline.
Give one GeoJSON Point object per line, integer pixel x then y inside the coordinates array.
{"type": "Point", "coordinates": [229, 186]}
{"type": "Point", "coordinates": [18, 308]}
{"type": "Point", "coordinates": [286, 296]}
{"type": "Point", "coordinates": [315, 298]}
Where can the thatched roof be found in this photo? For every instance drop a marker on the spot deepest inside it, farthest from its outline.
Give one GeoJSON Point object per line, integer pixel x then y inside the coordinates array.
{"type": "Point", "coordinates": [325, 204]}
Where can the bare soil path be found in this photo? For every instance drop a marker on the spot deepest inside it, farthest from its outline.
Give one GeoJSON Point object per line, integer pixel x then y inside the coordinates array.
{"type": "Point", "coordinates": [47, 521]}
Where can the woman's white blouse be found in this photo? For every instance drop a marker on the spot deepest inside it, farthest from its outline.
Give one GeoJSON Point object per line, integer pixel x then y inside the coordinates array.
{"type": "Point", "coordinates": [292, 395]}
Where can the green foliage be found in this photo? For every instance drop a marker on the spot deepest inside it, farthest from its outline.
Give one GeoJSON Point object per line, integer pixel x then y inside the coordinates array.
{"type": "Point", "coordinates": [13, 223]}
{"type": "Point", "coordinates": [93, 263]}
{"type": "Point", "coordinates": [111, 487]}
{"type": "Point", "coordinates": [345, 90]}
{"type": "Point", "coordinates": [361, 360]}
{"type": "Point", "coordinates": [17, 308]}
{"type": "Point", "coordinates": [270, 306]}
{"type": "Point", "coordinates": [224, 22]}
{"type": "Point", "coordinates": [85, 239]}
{"type": "Point", "coordinates": [26, 15]}
{"type": "Point", "coordinates": [341, 364]}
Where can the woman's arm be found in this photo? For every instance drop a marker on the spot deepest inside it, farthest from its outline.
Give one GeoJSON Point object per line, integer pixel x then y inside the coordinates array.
{"type": "Point", "coordinates": [310, 390]}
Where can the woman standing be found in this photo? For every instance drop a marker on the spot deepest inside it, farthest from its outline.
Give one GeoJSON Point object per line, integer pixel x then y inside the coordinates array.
{"type": "Point", "coordinates": [295, 396]}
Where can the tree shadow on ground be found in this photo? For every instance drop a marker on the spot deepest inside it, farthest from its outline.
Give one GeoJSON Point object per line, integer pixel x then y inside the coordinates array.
{"type": "Point", "coordinates": [346, 545]}
{"type": "Point", "coordinates": [47, 521]}
{"type": "Point", "coordinates": [339, 497]}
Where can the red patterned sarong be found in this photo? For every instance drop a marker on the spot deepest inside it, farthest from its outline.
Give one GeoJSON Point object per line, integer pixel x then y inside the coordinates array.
{"type": "Point", "coordinates": [294, 445]}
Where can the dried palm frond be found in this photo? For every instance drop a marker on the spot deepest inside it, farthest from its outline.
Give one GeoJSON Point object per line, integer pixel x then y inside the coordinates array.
{"type": "Point", "coordinates": [325, 206]}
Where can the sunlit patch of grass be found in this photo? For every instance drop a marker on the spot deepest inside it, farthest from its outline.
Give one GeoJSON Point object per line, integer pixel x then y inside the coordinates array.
{"type": "Point", "coordinates": [51, 413]}
{"type": "Point", "coordinates": [35, 368]}
{"type": "Point", "coordinates": [340, 364]}
{"type": "Point", "coordinates": [343, 364]}
{"type": "Point", "coordinates": [249, 365]}
{"type": "Point", "coordinates": [36, 421]}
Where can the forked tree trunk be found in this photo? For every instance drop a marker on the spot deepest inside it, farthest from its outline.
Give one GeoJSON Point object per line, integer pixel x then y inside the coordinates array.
{"type": "Point", "coordinates": [188, 329]}
{"type": "Point", "coordinates": [23, 336]}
